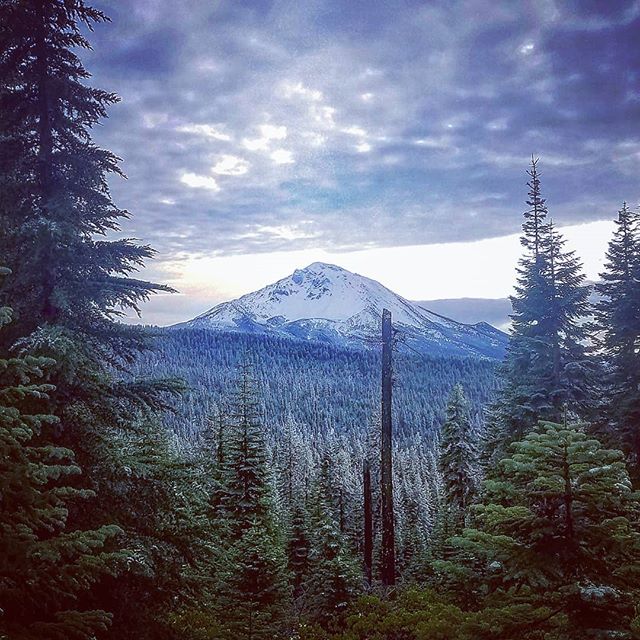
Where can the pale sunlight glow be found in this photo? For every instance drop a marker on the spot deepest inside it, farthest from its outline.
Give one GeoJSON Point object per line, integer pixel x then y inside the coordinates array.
{"type": "Point", "coordinates": [481, 269]}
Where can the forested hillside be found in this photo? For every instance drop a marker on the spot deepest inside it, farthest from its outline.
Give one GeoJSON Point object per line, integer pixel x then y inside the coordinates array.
{"type": "Point", "coordinates": [318, 386]}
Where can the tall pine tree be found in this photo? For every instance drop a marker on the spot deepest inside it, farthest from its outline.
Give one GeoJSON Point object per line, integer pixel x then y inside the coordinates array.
{"type": "Point", "coordinates": [46, 567]}
{"type": "Point", "coordinates": [253, 595]}
{"type": "Point", "coordinates": [72, 283]}
{"type": "Point", "coordinates": [333, 579]}
{"type": "Point", "coordinates": [555, 547]}
{"type": "Point", "coordinates": [547, 367]}
{"type": "Point", "coordinates": [458, 458]}
{"type": "Point", "coordinates": [55, 197]}
{"type": "Point", "coordinates": [617, 322]}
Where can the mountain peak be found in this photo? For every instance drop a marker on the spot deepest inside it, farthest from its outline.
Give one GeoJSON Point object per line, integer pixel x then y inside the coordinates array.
{"type": "Point", "coordinates": [322, 266]}
{"type": "Point", "coordinates": [327, 302]}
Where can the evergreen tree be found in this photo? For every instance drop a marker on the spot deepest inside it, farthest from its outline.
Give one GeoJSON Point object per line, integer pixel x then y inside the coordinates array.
{"type": "Point", "coordinates": [298, 548]}
{"type": "Point", "coordinates": [557, 540]}
{"type": "Point", "coordinates": [253, 594]}
{"type": "Point", "coordinates": [171, 534]}
{"type": "Point", "coordinates": [521, 402]}
{"type": "Point", "coordinates": [72, 284]}
{"type": "Point", "coordinates": [547, 367]}
{"type": "Point", "coordinates": [256, 591]}
{"type": "Point", "coordinates": [46, 568]}
{"type": "Point", "coordinates": [618, 326]}
{"type": "Point", "coordinates": [214, 445]}
{"type": "Point", "coordinates": [249, 494]}
{"type": "Point", "coordinates": [413, 525]}
{"type": "Point", "coordinates": [572, 372]}
{"type": "Point", "coordinates": [333, 578]}
{"type": "Point", "coordinates": [55, 194]}
{"type": "Point", "coordinates": [458, 457]}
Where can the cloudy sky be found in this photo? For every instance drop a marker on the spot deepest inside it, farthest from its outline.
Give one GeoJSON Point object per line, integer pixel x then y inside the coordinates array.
{"type": "Point", "coordinates": [390, 137]}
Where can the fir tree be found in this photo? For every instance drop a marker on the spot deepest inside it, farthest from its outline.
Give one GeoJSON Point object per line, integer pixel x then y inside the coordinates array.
{"type": "Point", "coordinates": [413, 525]}
{"type": "Point", "coordinates": [55, 195]}
{"type": "Point", "coordinates": [46, 568]}
{"type": "Point", "coordinates": [557, 539]}
{"type": "Point", "coordinates": [73, 283]}
{"type": "Point", "coordinates": [214, 445]}
{"type": "Point", "coordinates": [618, 326]}
{"type": "Point", "coordinates": [253, 597]}
{"type": "Point", "coordinates": [248, 487]}
{"type": "Point", "coordinates": [256, 591]}
{"type": "Point", "coordinates": [521, 402]}
{"type": "Point", "coordinates": [333, 577]}
{"type": "Point", "coordinates": [547, 367]}
{"type": "Point", "coordinates": [572, 370]}
{"type": "Point", "coordinates": [173, 539]}
{"type": "Point", "coordinates": [298, 548]}
{"type": "Point", "coordinates": [458, 457]}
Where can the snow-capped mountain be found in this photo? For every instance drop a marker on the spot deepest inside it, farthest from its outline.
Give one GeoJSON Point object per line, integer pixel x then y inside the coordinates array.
{"type": "Point", "coordinates": [328, 303]}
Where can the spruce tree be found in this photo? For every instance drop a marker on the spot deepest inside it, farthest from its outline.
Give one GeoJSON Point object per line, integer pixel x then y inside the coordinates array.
{"type": "Point", "coordinates": [173, 538]}
{"type": "Point", "coordinates": [547, 367]}
{"type": "Point", "coordinates": [214, 445]}
{"type": "Point", "coordinates": [72, 283]}
{"type": "Point", "coordinates": [524, 365]}
{"type": "Point", "coordinates": [333, 577]}
{"type": "Point", "coordinates": [556, 543]}
{"type": "Point", "coordinates": [55, 202]}
{"type": "Point", "coordinates": [46, 567]}
{"type": "Point", "coordinates": [55, 212]}
{"type": "Point", "coordinates": [617, 323]}
{"type": "Point", "coordinates": [253, 595]}
{"type": "Point", "coordinates": [572, 372]}
{"type": "Point", "coordinates": [458, 461]}
{"type": "Point", "coordinates": [249, 492]}
{"type": "Point", "coordinates": [298, 547]}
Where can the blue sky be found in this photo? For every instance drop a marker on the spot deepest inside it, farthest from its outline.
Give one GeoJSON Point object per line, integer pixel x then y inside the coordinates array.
{"type": "Point", "coordinates": [269, 127]}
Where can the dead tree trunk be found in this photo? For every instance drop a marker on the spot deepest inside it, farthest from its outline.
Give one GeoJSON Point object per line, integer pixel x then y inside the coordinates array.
{"type": "Point", "coordinates": [368, 522]}
{"type": "Point", "coordinates": [386, 481]}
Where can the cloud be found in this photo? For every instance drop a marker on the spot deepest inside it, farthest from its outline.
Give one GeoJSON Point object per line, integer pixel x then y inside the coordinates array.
{"type": "Point", "coordinates": [383, 124]}
{"type": "Point", "coordinates": [298, 89]}
{"type": "Point", "coordinates": [206, 130]}
{"type": "Point", "coordinates": [228, 165]}
{"type": "Point", "coordinates": [195, 181]}
{"type": "Point", "coordinates": [282, 156]}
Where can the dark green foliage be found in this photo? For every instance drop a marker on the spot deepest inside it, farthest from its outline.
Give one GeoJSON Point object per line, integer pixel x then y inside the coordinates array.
{"type": "Point", "coordinates": [333, 578]}
{"type": "Point", "coordinates": [249, 493]}
{"type": "Point", "coordinates": [557, 528]}
{"type": "Point", "coordinates": [318, 386]}
{"type": "Point", "coordinates": [70, 284]}
{"type": "Point", "coordinates": [298, 548]}
{"type": "Point", "coordinates": [458, 457]}
{"type": "Point", "coordinates": [161, 499]}
{"type": "Point", "coordinates": [548, 367]}
{"type": "Point", "coordinates": [46, 567]}
{"type": "Point", "coordinates": [112, 526]}
{"type": "Point", "coordinates": [414, 615]}
{"type": "Point", "coordinates": [55, 198]}
{"type": "Point", "coordinates": [256, 589]}
{"type": "Point", "coordinates": [618, 327]}
{"type": "Point", "coordinates": [252, 594]}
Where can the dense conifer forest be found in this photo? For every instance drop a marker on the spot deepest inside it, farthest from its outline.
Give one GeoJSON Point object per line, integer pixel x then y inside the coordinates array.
{"type": "Point", "coordinates": [297, 378]}
{"type": "Point", "coordinates": [197, 486]}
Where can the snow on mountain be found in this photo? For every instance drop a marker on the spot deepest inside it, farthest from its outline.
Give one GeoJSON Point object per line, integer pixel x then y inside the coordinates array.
{"type": "Point", "coordinates": [328, 303]}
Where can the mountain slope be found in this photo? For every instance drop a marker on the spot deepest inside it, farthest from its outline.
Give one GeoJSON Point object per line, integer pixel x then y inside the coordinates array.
{"type": "Point", "coordinates": [326, 303]}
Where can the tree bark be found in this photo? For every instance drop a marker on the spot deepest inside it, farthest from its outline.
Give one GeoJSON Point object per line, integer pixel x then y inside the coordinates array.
{"type": "Point", "coordinates": [368, 522]}
{"type": "Point", "coordinates": [386, 479]}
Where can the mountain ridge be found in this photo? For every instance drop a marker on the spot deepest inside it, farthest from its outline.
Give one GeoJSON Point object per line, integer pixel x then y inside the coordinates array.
{"type": "Point", "coordinates": [328, 303]}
